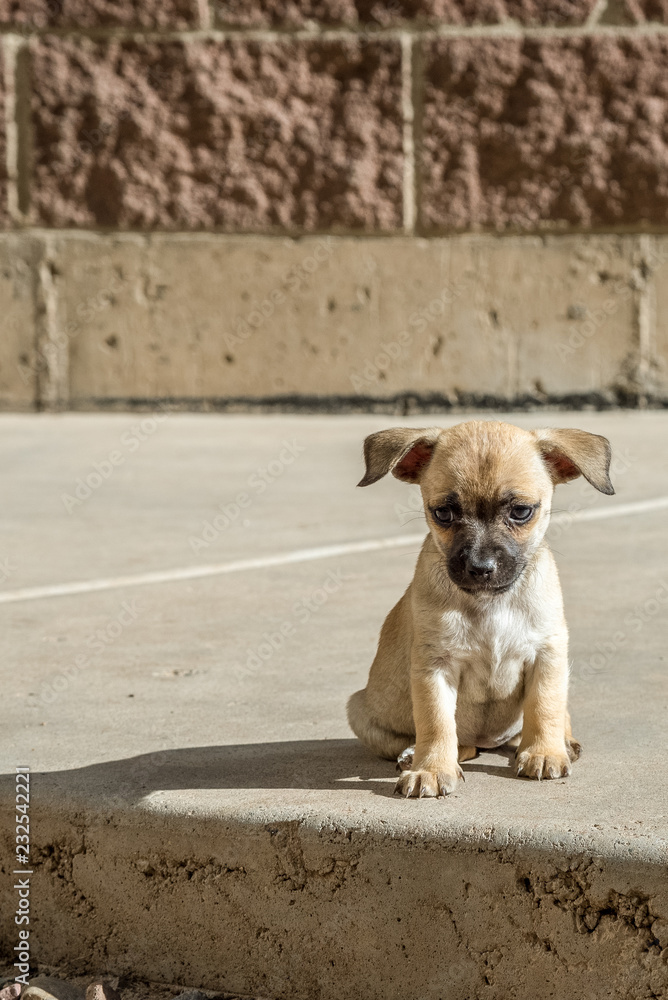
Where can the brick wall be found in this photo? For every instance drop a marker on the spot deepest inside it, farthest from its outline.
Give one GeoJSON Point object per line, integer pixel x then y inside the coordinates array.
{"type": "Point", "coordinates": [171, 168]}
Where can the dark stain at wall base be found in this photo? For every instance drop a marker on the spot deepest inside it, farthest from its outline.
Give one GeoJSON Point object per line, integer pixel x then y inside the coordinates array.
{"type": "Point", "coordinates": [401, 404]}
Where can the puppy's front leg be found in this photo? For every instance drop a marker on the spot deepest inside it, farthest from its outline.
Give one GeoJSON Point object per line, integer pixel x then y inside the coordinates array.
{"type": "Point", "coordinates": [434, 770]}
{"type": "Point", "coordinates": [542, 752]}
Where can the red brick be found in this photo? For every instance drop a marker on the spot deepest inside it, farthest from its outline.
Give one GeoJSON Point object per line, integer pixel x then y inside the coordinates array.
{"type": "Point", "coordinates": [235, 135]}
{"type": "Point", "coordinates": [636, 12]}
{"type": "Point", "coordinates": [35, 14]}
{"type": "Point", "coordinates": [385, 13]}
{"type": "Point", "coordinates": [649, 10]}
{"type": "Point", "coordinates": [523, 134]}
{"type": "Point", "coordinates": [557, 13]}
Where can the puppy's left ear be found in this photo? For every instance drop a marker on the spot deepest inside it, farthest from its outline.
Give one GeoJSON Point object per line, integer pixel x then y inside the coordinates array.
{"type": "Point", "coordinates": [571, 453]}
{"type": "Point", "coordinates": [403, 451]}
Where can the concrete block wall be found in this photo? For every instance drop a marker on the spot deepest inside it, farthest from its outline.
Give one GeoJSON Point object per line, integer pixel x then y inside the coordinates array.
{"type": "Point", "coordinates": [392, 204]}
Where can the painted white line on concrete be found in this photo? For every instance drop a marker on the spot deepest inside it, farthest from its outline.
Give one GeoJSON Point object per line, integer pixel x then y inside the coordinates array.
{"type": "Point", "coordinates": [214, 569]}
{"type": "Point", "coordinates": [613, 510]}
{"type": "Point", "coordinates": [285, 558]}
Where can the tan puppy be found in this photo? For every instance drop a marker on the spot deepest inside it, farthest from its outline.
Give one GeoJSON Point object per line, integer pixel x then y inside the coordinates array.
{"type": "Point", "coordinates": [475, 654]}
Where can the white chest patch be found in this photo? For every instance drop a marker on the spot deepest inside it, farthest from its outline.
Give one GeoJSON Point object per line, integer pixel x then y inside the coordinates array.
{"type": "Point", "coordinates": [488, 652]}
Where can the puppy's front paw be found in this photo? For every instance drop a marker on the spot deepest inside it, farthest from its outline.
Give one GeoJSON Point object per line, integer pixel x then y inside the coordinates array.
{"type": "Point", "coordinates": [428, 784]}
{"type": "Point", "coordinates": [536, 762]}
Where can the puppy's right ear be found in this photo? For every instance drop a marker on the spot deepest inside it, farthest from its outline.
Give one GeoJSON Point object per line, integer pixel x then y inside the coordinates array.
{"type": "Point", "coordinates": [404, 451]}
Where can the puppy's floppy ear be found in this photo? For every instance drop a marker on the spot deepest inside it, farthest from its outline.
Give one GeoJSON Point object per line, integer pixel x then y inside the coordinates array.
{"type": "Point", "coordinates": [404, 451]}
{"type": "Point", "coordinates": [572, 453]}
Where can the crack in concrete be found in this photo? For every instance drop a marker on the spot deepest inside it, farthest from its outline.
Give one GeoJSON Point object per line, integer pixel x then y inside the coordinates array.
{"type": "Point", "coordinates": [292, 868]}
{"type": "Point", "coordinates": [58, 859]}
{"type": "Point", "coordinates": [571, 892]}
{"type": "Point", "coordinates": [186, 870]}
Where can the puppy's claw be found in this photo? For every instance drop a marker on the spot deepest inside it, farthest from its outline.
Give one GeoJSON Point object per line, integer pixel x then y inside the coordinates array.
{"type": "Point", "coordinates": [448, 782]}
{"type": "Point", "coordinates": [539, 764]}
{"type": "Point", "coordinates": [427, 784]}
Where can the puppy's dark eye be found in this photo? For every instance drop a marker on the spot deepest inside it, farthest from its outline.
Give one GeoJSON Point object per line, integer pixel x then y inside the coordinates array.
{"type": "Point", "coordinates": [444, 515]}
{"type": "Point", "coordinates": [521, 513]}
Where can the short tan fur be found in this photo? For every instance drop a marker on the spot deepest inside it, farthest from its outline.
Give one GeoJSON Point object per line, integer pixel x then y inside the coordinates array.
{"type": "Point", "coordinates": [475, 654]}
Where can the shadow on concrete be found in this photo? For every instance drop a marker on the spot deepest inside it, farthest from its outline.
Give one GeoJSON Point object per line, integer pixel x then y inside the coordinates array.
{"type": "Point", "coordinates": [500, 771]}
{"type": "Point", "coordinates": [338, 765]}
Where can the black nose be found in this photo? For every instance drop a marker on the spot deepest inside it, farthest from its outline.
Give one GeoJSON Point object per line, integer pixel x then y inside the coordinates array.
{"type": "Point", "coordinates": [481, 566]}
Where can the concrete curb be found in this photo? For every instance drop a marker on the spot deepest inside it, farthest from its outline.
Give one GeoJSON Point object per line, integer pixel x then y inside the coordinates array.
{"type": "Point", "coordinates": [296, 901]}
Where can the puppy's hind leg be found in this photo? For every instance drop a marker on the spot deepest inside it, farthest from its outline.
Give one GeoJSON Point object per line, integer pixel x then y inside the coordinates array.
{"type": "Point", "coordinates": [405, 759]}
{"type": "Point", "coordinates": [383, 741]}
{"type": "Point", "coordinates": [572, 746]}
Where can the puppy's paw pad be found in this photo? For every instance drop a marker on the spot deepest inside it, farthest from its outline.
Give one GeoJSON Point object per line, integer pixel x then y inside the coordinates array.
{"type": "Point", "coordinates": [405, 759]}
{"type": "Point", "coordinates": [427, 784]}
{"type": "Point", "coordinates": [574, 750]}
{"type": "Point", "coordinates": [539, 764]}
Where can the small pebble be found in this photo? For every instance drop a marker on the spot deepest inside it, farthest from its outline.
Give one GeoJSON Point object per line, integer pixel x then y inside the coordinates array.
{"type": "Point", "coordinates": [102, 991]}
{"type": "Point", "coordinates": [10, 992]}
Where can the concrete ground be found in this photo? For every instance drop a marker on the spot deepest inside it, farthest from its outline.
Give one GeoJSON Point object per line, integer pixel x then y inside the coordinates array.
{"type": "Point", "coordinates": [200, 812]}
